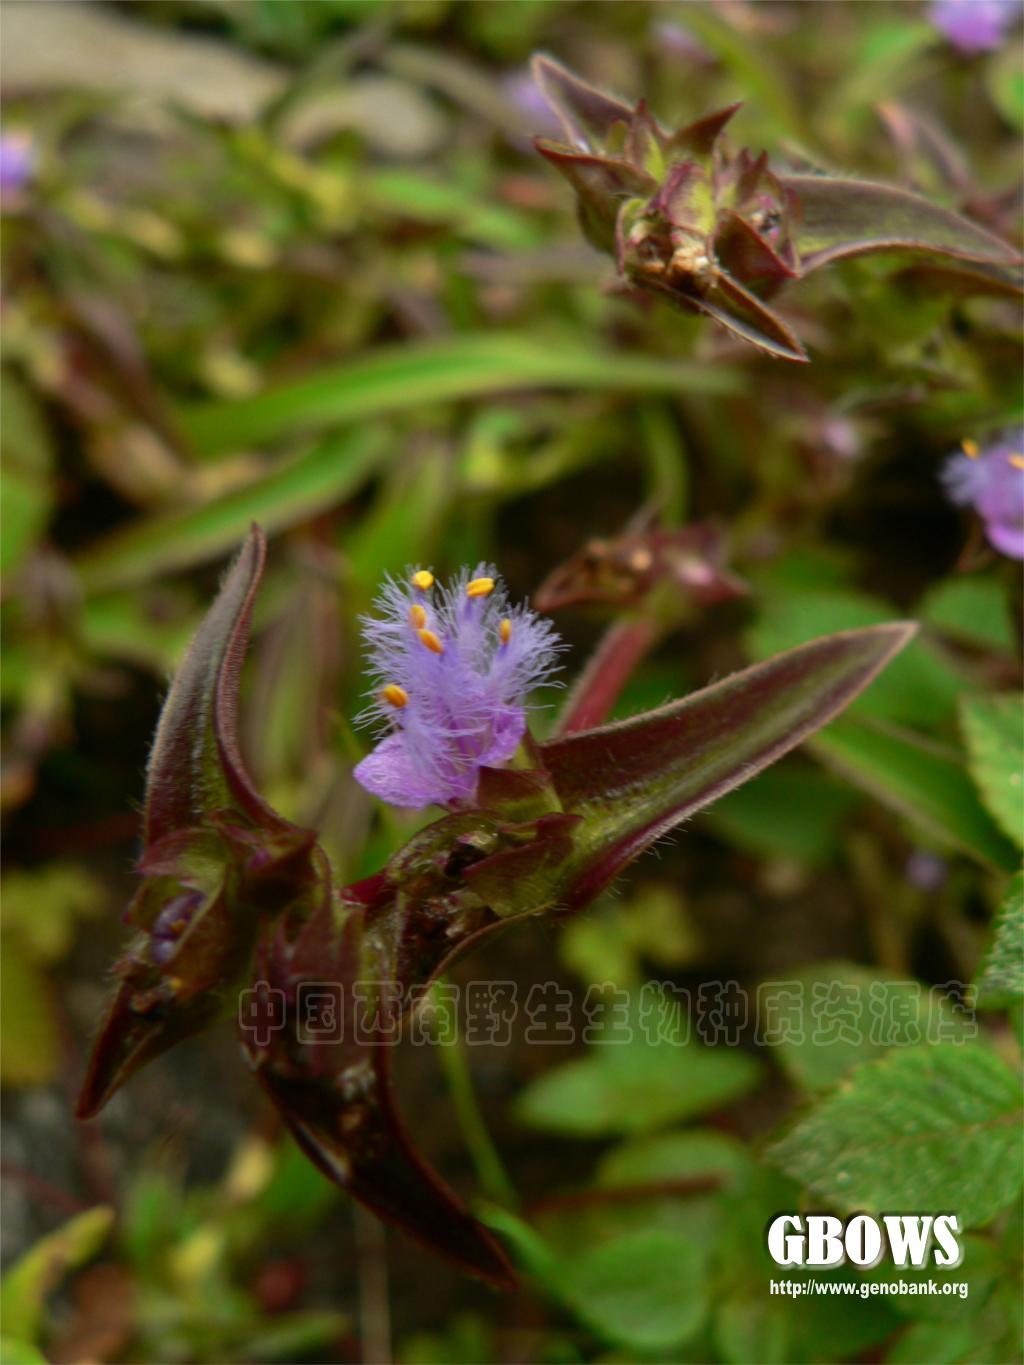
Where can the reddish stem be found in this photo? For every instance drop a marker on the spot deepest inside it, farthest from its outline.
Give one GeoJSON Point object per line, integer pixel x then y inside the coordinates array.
{"type": "Point", "coordinates": [609, 668]}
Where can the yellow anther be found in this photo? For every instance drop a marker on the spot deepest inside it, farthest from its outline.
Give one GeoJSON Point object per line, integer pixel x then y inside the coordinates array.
{"type": "Point", "coordinates": [417, 616]}
{"type": "Point", "coordinates": [505, 631]}
{"type": "Point", "coordinates": [423, 579]}
{"type": "Point", "coordinates": [970, 448]}
{"type": "Point", "coordinates": [395, 696]}
{"type": "Point", "coordinates": [479, 587]}
{"type": "Point", "coordinates": [428, 638]}
{"type": "Point", "coordinates": [1017, 461]}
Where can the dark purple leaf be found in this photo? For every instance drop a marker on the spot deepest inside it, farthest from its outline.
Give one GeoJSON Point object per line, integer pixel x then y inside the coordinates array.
{"type": "Point", "coordinates": [634, 781]}
{"type": "Point", "coordinates": [699, 138]}
{"type": "Point", "coordinates": [601, 184]}
{"type": "Point", "coordinates": [195, 765]}
{"type": "Point", "coordinates": [216, 860]}
{"type": "Point", "coordinates": [745, 255]}
{"type": "Point", "coordinates": [840, 218]}
{"type": "Point", "coordinates": [335, 1094]}
{"type": "Point", "coordinates": [587, 114]}
{"type": "Point", "coordinates": [747, 317]}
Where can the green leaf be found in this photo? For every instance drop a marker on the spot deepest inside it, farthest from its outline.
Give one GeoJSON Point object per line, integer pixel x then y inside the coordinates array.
{"type": "Point", "coordinates": [846, 1015]}
{"type": "Point", "coordinates": [972, 609]}
{"type": "Point", "coordinates": [41, 906]}
{"type": "Point", "coordinates": [994, 730]}
{"type": "Point", "coordinates": [29, 1036]}
{"type": "Point", "coordinates": [399, 378]}
{"type": "Point", "coordinates": [787, 812]}
{"type": "Point", "coordinates": [674, 1156]}
{"type": "Point", "coordinates": [19, 1353]}
{"type": "Point", "coordinates": [925, 782]}
{"type": "Point", "coordinates": [27, 457]}
{"type": "Point", "coordinates": [646, 1291]}
{"type": "Point", "coordinates": [25, 1286]}
{"type": "Point", "coordinates": [931, 1127]}
{"type": "Point", "coordinates": [427, 199]}
{"type": "Point", "coordinates": [1005, 82]}
{"type": "Point", "coordinates": [999, 982]}
{"type": "Point", "coordinates": [655, 1078]}
{"type": "Point", "coordinates": [288, 494]}
{"type": "Point", "coordinates": [917, 688]}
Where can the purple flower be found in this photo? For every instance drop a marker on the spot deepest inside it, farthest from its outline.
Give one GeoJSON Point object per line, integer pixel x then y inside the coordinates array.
{"type": "Point", "coordinates": [676, 40]}
{"type": "Point", "coordinates": [451, 669]}
{"type": "Point", "coordinates": [17, 161]}
{"type": "Point", "coordinates": [974, 25]}
{"type": "Point", "coordinates": [992, 482]}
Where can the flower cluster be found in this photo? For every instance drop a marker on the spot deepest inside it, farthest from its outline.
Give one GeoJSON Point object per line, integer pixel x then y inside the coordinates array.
{"type": "Point", "coordinates": [992, 482]}
{"type": "Point", "coordinates": [451, 670]}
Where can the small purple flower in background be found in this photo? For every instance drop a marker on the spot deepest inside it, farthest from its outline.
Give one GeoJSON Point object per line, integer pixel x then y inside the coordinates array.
{"type": "Point", "coordinates": [17, 161]}
{"type": "Point", "coordinates": [520, 89]}
{"type": "Point", "coordinates": [926, 871]}
{"type": "Point", "coordinates": [975, 25]}
{"type": "Point", "coordinates": [675, 40]}
{"type": "Point", "coordinates": [992, 482]}
{"type": "Point", "coordinates": [451, 670]}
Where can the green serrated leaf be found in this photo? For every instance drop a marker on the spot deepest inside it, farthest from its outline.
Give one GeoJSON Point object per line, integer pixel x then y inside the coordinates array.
{"type": "Point", "coordinates": [932, 1127]}
{"type": "Point", "coordinates": [994, 730]}
{"type": "Point", "coordinates": [844, 1015]}
{"type": "Point", "coordinates": [999, 983]}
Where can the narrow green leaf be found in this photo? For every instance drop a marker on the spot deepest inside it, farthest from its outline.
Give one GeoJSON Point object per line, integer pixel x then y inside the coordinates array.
{"type": "Point", "coordinates": [994, 730]}
{"type": "Point", "coordinates": [398, 378]}
{"type": "Point", "coordinates": [999, 983]}
{"type": "Point", "coordinates": [925, 782]}
{"type": "Point", "coordinates": [25, 1286]}
{"type": "Point", "coordinates": [931, 1127]}
{"type": "Point", "coordinates": [286, 495]}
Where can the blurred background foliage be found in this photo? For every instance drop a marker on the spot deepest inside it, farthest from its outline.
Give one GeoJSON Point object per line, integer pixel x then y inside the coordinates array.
{"type": "Point", "coordinates": [297, 262]}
